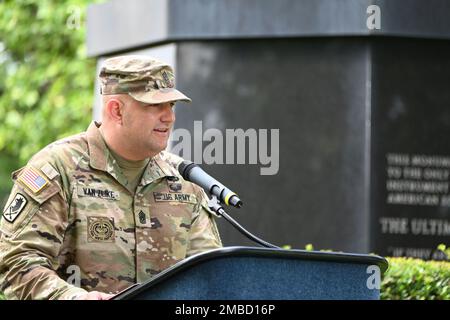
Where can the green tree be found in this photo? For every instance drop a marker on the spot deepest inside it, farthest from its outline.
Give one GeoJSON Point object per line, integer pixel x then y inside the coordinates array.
{"type": "Point", "coordinates": [46, 80]}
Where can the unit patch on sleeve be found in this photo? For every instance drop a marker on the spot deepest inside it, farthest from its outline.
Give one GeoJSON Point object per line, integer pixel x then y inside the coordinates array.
{"type": "Point", "coordinates": [15, 208]}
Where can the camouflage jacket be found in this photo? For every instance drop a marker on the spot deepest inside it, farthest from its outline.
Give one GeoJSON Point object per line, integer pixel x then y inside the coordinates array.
{"type": "Point", "coordinates": [71, 225]}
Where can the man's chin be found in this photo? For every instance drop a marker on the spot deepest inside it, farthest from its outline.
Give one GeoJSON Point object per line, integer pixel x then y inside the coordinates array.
{"type": "Point", "coordinates": [157, 149]}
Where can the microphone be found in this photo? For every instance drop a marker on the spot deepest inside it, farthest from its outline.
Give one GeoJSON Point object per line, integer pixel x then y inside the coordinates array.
{"type": "Point", "coordinates": [192, 172]}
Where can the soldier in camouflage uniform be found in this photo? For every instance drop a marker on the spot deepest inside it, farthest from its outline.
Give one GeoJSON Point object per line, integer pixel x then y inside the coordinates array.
{"type": "Point", "coordinates": [99, 211]}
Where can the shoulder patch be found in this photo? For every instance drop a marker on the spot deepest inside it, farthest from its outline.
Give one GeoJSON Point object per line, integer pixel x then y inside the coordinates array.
{"type": "Point", "coordinates": [33, 179]}
{"type": "Point", "coordinates": [16, 206]}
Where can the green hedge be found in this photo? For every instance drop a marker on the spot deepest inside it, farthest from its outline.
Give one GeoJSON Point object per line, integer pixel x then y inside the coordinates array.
{"type": "Point", "coordinates": [415, 279]}
{"type": "Point", "coordinates": [411, 279]}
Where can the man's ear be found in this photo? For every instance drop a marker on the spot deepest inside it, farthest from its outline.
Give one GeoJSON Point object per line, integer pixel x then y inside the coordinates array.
{"type": "Point", "coordinates": [114, 110]}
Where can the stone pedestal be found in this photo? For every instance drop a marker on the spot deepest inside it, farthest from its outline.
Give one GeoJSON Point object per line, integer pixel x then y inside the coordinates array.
{"type": "Point", "coordinates": [330, 124]}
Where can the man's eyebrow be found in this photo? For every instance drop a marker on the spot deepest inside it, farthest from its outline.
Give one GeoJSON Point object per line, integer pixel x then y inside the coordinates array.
{"type": "Point", "coordinates": [148, 104]}
{"type": "Point", "coordinates": [157, 104]}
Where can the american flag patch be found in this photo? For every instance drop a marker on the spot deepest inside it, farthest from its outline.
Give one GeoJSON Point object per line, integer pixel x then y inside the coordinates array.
{"type": "Point", "coordinates": [33, 179]}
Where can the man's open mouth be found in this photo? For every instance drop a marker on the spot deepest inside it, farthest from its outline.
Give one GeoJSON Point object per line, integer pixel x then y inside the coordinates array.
{"type": "Point", "coordinates": [163, 130]}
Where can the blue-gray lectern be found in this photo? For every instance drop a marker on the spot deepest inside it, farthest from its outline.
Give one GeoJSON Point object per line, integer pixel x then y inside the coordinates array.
{"type": "Point", "coordinates": [249, 273]}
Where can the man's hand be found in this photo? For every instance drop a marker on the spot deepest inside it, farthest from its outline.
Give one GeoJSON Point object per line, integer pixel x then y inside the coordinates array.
{"type": "Point", "coordinates": [94, 295]}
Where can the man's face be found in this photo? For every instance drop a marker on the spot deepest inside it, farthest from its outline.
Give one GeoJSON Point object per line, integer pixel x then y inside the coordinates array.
{"type": "Point", "coordinates": [147, 126]}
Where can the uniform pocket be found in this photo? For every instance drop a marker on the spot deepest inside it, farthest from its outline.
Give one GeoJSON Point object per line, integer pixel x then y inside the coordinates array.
{"type": "Point", "coordinates": [170, 225]}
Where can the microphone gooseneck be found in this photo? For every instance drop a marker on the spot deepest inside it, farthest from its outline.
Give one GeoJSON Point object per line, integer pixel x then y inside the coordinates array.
{"type": "Point", "coordinates": [219, 194]}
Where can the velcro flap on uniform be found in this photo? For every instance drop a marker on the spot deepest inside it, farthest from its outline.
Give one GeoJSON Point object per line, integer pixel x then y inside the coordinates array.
{"type": "Point", "coordinates": [49, 171]}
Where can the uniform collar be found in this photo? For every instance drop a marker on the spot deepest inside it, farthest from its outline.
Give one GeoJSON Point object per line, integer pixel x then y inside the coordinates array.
{"type": "Point", "coordinates": [157, 168]}
{"type": "Point", "coordinates": [98, 151]}
{"type": "Point", "coordinates": [100, 157]}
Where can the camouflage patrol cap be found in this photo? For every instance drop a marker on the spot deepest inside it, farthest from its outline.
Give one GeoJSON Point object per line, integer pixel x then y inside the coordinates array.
{"type": "Point", "coordinates": [144, 78]}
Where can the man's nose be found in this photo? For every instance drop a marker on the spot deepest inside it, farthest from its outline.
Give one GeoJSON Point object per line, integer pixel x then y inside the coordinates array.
{"type": "Point", "coordinates": [168, 114]}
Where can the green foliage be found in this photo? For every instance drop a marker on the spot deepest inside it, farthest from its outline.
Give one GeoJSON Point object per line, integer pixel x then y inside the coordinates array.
{"type": "Point", "coordinates": [443, 248]}
{"type": "Point", "coordinates": [46, 81]}
{"type": "Point", "coordinates": [414, 279]}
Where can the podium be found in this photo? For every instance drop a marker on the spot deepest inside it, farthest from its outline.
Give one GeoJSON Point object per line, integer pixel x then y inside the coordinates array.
{"type": "Point", "coordinates": [250, 273]}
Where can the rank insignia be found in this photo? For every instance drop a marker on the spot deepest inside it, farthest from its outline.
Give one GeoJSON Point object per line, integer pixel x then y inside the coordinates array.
{"type": "Point", "coordinates": [142, 218]}
{"type": "Point", "coordinates": [15, 208]}
{"type": "Point", "coordinates": [33, 179]}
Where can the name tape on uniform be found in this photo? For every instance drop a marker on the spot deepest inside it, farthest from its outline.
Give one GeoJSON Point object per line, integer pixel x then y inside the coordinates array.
{"type": "Point", "coordinates": [171, 197]}
{"type": "Point", "coordinates": [84, 191]}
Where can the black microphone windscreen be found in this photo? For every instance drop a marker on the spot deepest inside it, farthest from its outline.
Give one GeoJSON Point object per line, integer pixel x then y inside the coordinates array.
{"type": "Point", "coordinates": [184, 168]}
